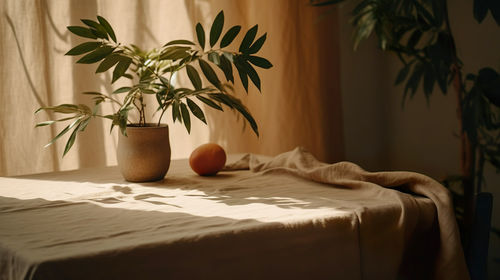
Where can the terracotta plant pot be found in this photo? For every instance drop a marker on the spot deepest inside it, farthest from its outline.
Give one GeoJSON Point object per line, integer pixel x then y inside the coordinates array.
{"type": "Point", "coordinates": [144, 154]}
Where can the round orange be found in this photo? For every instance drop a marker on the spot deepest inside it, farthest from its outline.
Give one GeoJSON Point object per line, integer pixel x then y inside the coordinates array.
{"type": "Point", "coordinates": [207, 159]}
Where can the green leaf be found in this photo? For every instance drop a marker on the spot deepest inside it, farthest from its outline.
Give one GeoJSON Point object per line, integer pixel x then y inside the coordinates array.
{"type": "Point", "coordinates": [223, 98]}
{"type": "Point", "coordinates": [164, 81]}
{"type": "Point", "coordinates": [196, 110]}
{"type": "Point", "coordinates": [122, 90]}
{"type": "Point", "coordinates": [176, 115]}
{"type": "Point", "coordinates": [402, 74]}
{"type": "Point", "coordinates": [179, 42]}
{"type": "Point", "coordinates": [185, 117]}
{"type": "Point", "coordinates": [62, 108]}
{"type": "Point", "coordinates": [429, 81]}
{"type": "Point", "coordinates": [209, 102]}
{"type": "Point", "coordinates": [66, 129]}
{"type": "Point", "coordinates": [82, 32]}
{"type": "Point", "coordinates": [96, 55]}
{"type": "Point", "coordinates": [71, 139]}
{"type": "Point", "coordinates": [248, 39]}
{"type": "Point", "coordinates": [236, 104]}
{"type": "Point", "coordinates": [200, 34]}
{"type": "Point", "coordinates": [414, 80]}
{"type": "Point", "coordinates": [209, 73]}
{"type": "Point", "coordinates": [242, 72]}
{"type": "Point", "coordinates": [324, 2]}
{"type": "Point", "coordinates": [414, 38]}
{"type": "Point", "coordinates": [258, 44]}
{"type": "Point", "coordinates": [44, 123]}
{"type": "Point", "coordinates": [480, 10]}
{"type": "Point", "coordinates": [216, 29]}
{"type": "Point", "coordinates": [252, 74]}
{"type": "Point", "coordinates": [121, 68]}
{"type": "Point", "coordinates": [260, 62]}
{"type": "Point", "coordinates": [226, 67]}
{"type": "Point", "coordinates": [107, 27]}
{"type": "Point", "coordinates": [96, 28]}
{"type": "Point", "coordinates": [84, 48]}
{"type": "Point", "coordinates": [175, 52]}
{"type": "Point", "coordinates": [108, 62]}
{"type": "Point", "coordinates": [229, 36]}
{"type": "Point", "coordinates": [194, 77]}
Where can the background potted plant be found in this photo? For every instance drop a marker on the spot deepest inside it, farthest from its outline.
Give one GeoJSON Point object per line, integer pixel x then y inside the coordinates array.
{"type": "Point", "coordinates": [154, 71]}
{"type": "Point", "coordinates": [418, 32]}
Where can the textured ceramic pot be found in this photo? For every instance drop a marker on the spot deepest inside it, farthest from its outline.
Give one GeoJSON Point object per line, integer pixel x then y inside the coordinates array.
{"type": "Point", "coordinates": [144, 154]}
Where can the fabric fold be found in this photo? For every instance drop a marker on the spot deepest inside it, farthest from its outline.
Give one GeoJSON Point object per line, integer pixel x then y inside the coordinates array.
{"type": "Point", "coordinates": [450, 261]}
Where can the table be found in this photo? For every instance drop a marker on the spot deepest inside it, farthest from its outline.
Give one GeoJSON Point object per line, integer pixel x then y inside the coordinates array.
{"type": "Point", "coordinates": [91, 224]}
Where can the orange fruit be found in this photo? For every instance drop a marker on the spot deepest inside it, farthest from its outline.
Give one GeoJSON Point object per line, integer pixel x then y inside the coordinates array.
{"type": "Point", "coordinates": [207, 159]}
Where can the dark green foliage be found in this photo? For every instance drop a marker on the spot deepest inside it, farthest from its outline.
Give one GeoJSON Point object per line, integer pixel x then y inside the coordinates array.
{"type": "Point", "coordinates": [419, 34]}
{"type": "Point", "coordinates": [154, 70]}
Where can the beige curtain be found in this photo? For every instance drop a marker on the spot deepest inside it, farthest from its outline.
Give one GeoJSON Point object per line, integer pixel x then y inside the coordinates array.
{"type": "Point", "coordinates": [299, 104]}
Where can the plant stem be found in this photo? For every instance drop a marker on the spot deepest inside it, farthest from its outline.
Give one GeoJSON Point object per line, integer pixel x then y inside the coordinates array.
{"type": "Point", "coordinates": [467, 149]}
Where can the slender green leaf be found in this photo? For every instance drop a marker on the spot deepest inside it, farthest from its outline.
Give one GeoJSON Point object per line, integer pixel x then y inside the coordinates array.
{"type": "Point", "coordinates": [223, 98]}
{"type": "Point", "coordinates": [164, 81]}
{"type": "Point", "coordinates": [248, 39]}
{"type": "Point", "coordinates": [96, 55]}
{"type": "Point", "coordinates": [179, 42]}
{"type": "Point", "coordinates": [229, 36]}
{"type": "Point", "coordinates": [226, 67]}
{"type": "Point", "coordinates": [194, 76]}
{"type": "Point", "coordinates": [108, 62]}
{"type": "Point", "coordinates": [71, 139]}
{"type": "Point", "coordinates": [209, 102]}
{"type": "Point", "coordinates": [402, 74]}
{"type": "Point", "coordinates": [324, 2]}
{"type": "Point", "coordinates": [107, 27]}
{"type": "Point", "coordinates": [62, 108]}
{"type": "Point", "coordinates": [241, 72]}
{"type": "Point", "coordinates": [121, 68]}
{"type": "Point", "coordinates": [82, 32]}
{"type": "Point", "coordinates": [175, 52]}
{"type": "Point", "coordinates": [200, 34]}
{"type": "Point", "coordinates": [258, 44]}
{"type": "Point", "coordinates": [236, 104]}
{"type": "Point", "coordinates": [429, 80]}
{"type": "Point", "coordinates": [44, 123]}
{"type": "Point", "coordinates": [96, 28]}
{"type": "Point", "coordinates": [260, 62]}
{"type": "Point", "coordinates": [480, 9]}
{"type": "Point", "coordinates": [414, 38]}
{"type": "Point", "coordinates": [185, 117]}
{"type": "Point", "coordinates": [176, 115]}
{"type": "Point", "coordinates": [84, 48]}
{"type": "Point", "coordinates": [122, 89]}
{"type": "Point", "coordinates": [209, 73]}
{"type": "Point", "coordinates": [196, 110]}
{"type": "Point", "coordinates": [66, 129]}
{"type": "Point", "coordinates": [252, 74]}
{"type": "Point", "coordinates": [216, 29]}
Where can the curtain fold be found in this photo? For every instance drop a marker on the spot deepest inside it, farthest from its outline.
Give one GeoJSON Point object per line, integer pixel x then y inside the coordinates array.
{"type": "Point", "coordinates": [299, 104]}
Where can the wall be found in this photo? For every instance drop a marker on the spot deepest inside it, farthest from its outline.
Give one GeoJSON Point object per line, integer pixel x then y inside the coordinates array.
{"type": "Point", "coordinates": [382, 135]}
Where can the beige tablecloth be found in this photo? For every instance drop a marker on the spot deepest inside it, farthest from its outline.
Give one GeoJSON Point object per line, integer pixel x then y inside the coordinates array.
{"type": "Point", "coordinates": [276, 221]}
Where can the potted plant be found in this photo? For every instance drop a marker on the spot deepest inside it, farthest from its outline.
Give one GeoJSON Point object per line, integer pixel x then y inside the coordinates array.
{"type": "Point", "coordinates": [143, 150]}
{"type": "Point", "coordinates": [419, 33]}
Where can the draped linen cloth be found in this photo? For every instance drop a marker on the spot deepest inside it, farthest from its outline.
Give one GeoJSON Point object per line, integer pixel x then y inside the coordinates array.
{"type": "Point", "coordinates": [450, 261]}
{"type": "Point", "coordinates": [293, 217]}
